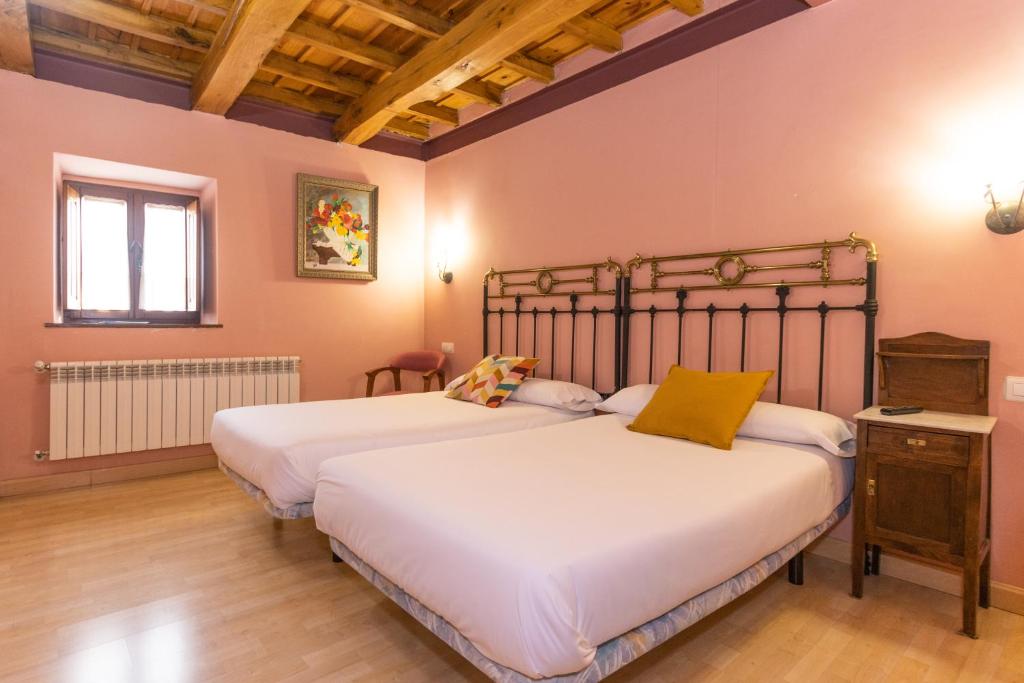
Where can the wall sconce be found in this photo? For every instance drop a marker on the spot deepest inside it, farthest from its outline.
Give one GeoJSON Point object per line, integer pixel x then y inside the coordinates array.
{"type": "Point", "coordinates": [1004, 219]}
{"type": "Point", "coordinates": [443, 274]}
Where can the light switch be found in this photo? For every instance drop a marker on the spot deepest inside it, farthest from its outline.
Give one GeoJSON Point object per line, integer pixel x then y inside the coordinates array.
{"type": "Point", "coordinates": [1014, 389]}
{"type": "Point", "coordinates": [449, 347]}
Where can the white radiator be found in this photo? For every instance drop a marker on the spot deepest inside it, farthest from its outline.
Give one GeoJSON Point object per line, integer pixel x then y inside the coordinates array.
{"type": "Point", "coordinates": [103, 407]}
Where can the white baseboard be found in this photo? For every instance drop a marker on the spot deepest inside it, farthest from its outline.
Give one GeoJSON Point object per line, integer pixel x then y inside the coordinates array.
{"type": "Point", "coordinates": [1003, 595]}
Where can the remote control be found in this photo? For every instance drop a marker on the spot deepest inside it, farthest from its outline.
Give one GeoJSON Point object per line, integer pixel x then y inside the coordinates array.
{"type": "Point", "coordinates": [901, 410]}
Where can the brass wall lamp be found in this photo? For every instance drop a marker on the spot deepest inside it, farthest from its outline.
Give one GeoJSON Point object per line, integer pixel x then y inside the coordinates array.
{"type": "Point", "coordinates": [1004, 219]}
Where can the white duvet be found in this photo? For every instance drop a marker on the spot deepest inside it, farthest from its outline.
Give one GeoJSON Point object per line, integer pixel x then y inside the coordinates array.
{"type": "Point", "coordinates": [541, 545]}
{"type": "Point", "coordinates": [279, 448]}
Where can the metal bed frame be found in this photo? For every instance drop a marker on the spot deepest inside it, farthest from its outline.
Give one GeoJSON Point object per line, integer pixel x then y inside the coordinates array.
{"type": "Point", "coordinates": [562, 283]}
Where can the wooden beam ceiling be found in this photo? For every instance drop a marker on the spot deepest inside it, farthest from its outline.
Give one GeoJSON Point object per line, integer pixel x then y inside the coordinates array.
{"type": "Point", "coordinates": [123, 55]}
{"type": "Point", "coordinates": [494, 29]}
{"type": "Point", "coordinates": [249, 32]}
{"type": "Point", "coordinates": [594, 31]}
{"type": "Point", "coordinates": [471, 50]}
{"type": "Point", "coordinates": [15, 40]}
{"type": "Point", "coordinates": [312, 74]}
{"type": "Point", "coordinates": [124, 18]}
{"type": "Point", "coordinates": [429, 25]}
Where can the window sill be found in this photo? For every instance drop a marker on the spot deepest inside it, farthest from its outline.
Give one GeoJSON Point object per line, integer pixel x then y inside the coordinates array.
{"type": "Point", "coordinates": [136, 325]}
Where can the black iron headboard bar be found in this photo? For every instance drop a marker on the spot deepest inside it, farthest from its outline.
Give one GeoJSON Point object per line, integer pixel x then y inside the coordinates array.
{"type": "Point", "coordinates": [735, 280]}
{"type": "Point", "coordinates": [560, 281]}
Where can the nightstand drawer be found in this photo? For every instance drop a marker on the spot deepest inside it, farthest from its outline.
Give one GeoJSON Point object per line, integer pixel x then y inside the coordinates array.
{"type": "Point", "coordinates": [938, 447]}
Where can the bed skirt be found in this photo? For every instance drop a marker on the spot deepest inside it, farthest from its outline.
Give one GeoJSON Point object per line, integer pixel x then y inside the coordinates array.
{"type": "Point", "coordinates": [616, 653]}
{"type": "Point", "coordinates": [256, 493]}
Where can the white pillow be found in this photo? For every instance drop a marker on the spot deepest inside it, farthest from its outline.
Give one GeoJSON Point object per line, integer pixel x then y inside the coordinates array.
{"type": "Point", "coordinates": [629, 401]}
{"type": "Point", "coordinates": [555, 393]}
{"type": "Point", "coordinates": [797, 425]}
{"type": "Point", "coordinates": [764, 421]}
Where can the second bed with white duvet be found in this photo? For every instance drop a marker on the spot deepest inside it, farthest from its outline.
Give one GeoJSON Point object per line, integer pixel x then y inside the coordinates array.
{"type": "Point", "coordinates": [539, 546]}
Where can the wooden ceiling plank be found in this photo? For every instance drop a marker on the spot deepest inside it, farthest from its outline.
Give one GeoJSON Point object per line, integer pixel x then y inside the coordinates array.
{"type": "Point", "coordinates": [114, 53]}
{"type": "Point", "coordinates": [493, 30]}
{"type": "Point", "coordinates": [312, 74]}
{"type": "Point", "coordinates": [594, 31]}
{"type": "Point", "coordinates": [344, 46]}
{"type": "Point", "coordinates": [436, 112]}
{"type": "Point", "coordinates": [15, 38]}
{"type": "Point", "coordinates": [688, 7]}
{"type": "Point", "coordinates": [123, 18]}
{"type": "Point", "coordinates": [248, 34]}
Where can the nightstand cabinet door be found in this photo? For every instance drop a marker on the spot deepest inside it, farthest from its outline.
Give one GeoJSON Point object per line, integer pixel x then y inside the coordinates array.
{"type": "Point", "coordinates": [916, 505]}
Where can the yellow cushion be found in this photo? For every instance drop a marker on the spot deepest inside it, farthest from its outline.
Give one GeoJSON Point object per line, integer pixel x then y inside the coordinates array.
{"type": "Point", "coordinates": [705, 407]}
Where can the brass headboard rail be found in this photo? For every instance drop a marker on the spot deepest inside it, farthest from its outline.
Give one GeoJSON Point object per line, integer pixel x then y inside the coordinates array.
{"type": "Point", "coordinates": [728, 271]}
{"type": "Point", "coordinates": [545, 282]}
{"type": "Point", "coordinates": [567, 283]}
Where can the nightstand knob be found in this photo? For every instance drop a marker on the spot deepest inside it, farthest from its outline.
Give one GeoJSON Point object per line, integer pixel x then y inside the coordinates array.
{"type": "Point", "coordinates": [871, 487]}
{"type": "Point", "coordinates": [920, 443]}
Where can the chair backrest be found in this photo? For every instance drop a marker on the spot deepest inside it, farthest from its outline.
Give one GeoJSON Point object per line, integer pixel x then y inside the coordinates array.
{"type": "Point", "coordinates": [419, 361]}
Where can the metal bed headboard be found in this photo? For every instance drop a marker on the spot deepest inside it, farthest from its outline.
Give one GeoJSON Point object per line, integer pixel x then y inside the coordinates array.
{"type": "Point", "coordinates": [729, 270]}
{"type": "Point", "coordinates": [600, 282]}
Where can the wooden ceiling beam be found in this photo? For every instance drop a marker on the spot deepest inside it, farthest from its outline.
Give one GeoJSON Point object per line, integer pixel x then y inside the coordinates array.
{"type": "Point", "coordinates": [429, 25]}
{"type": "Point", "coordinates": [246, 37]}
{"type": "Point", "coordinates": [409, 17]}
{"type": "Point", "coordinates": [114, 53]}
{"type": "Point", "coordinates": [435, 112]}
{"type": "Point", "coordinates": [493, 30]}
{"type": "Point", "coordinates": [480, 91]}
{"type": "Point", "coordinates": [15, 40]}
{"type": "Point", "coordinates": [344, 46]}
{"type": "Point", "coordinates": [219, 7]}
{"type": "Point", "coordinates": [408, 128]}
{"type": "Point", "coordinates": [294, 98]}
{"type": "Point", "coordinates": [594, 31]}
{"type": "Point", "coordinates": [688, 7]}
{"type": "Point", "coordinates": [124, 18]}
{"type": "Point", "coordinates": [530, 67]}
{"type": "Point", "coordinates": [312, 74]}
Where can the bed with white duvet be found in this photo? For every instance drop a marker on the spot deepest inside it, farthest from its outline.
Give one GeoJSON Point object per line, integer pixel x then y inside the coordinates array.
{"type": "Point", "coordinates": [567, 551]}
{"type": "Point", "coordinates": [273, 452]}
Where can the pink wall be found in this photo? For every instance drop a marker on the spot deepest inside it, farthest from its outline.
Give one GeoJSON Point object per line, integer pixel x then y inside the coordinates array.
{"type": "Point", "coordinates": [339, 329]}
{"type": "Point", "coordinates": [882, 117]}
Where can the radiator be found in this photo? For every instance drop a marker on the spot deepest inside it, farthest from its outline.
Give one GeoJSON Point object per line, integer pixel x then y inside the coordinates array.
{"type": "Point", "coordinates": [103, 407]}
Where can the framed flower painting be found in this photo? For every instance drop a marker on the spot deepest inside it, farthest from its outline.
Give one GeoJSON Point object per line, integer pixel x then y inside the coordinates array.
{"type": "Point", "coordinates": [337, 229]}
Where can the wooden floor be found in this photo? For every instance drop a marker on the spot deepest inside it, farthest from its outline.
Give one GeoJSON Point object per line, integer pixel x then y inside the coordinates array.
{"type": "Point", "coordinates": [185, 579]}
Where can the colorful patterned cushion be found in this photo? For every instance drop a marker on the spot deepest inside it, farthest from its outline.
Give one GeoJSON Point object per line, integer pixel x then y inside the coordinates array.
{"type": "Point", "coordinates": [493, 379]}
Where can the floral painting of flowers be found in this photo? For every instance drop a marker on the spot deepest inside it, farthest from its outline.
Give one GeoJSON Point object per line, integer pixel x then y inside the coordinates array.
{"type": "Point", "coordinates": [337, 228]}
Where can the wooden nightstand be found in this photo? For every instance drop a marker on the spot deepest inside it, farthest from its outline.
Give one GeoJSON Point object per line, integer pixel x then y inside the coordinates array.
{"type": "Point", "coordinates": [923, 490]}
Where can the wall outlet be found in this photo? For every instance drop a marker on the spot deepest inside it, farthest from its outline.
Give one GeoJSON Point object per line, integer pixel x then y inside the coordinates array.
{"type": "Point", "coordinates": [449, 347]}
{"type": "Point", "coordinates": [1014, 389]}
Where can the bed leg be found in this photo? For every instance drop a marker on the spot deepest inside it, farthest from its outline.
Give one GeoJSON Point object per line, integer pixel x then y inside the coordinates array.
{"type": "Point", "coordinates": [796, 569]}
{"type": "Point", "coordinates": [876, 559]}
{"type": "Point", "coordinates": [334, 558]}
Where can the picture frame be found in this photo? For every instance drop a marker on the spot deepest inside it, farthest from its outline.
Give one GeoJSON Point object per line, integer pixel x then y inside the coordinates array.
{"type": "Point", "coordinates": [336, 228]}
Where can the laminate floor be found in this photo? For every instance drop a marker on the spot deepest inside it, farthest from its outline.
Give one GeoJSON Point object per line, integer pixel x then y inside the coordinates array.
{"type": "Point", "coordinates": [184, 578]}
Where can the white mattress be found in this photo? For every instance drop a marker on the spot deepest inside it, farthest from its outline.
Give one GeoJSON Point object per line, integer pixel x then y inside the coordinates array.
{"type": "Point", "coordinates": [540, 546]}
{"type": "Point", "coordinates": [279, 448]}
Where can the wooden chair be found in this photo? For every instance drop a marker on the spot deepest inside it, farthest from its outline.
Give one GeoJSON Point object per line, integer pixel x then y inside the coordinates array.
{"type": "Point", "coordinates": [430, 363]}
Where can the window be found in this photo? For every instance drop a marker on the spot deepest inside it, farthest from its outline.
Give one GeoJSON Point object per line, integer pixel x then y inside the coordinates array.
{"type": "Point", "coordinates": [129, 255]}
